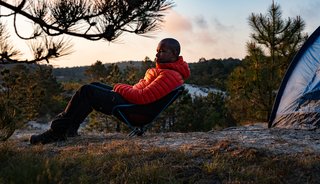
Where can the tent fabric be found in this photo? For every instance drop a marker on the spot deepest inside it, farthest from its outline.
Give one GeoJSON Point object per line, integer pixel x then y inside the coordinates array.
{"type": "Point", "coordinates": [297, 104]}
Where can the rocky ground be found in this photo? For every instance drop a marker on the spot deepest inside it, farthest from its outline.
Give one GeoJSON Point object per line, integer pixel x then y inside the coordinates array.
{"type": "Point", "coordinates": [257, 136]}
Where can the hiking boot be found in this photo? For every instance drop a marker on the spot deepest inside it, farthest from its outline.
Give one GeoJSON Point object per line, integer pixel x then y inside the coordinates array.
{"type": "Point", "coordinates": [73, 130]}
{"type": "Point", "coordinates": [72, 133]}
{"type": "Point", "coordinates": [48, 136]}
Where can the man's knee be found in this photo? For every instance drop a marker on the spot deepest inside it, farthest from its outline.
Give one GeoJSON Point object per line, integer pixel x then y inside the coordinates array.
{"type": "Point", "coordinates": [101, 86]}
{"type": "Point", "coordinates": [85, 90]}
{"type": "Point", "coordinates": [95, 83]}
{"type": "Point", "coordinates": [92, 92]}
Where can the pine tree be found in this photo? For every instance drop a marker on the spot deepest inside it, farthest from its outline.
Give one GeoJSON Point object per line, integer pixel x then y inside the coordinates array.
{"type": "Point", "coordinates": [91, 20]}
{"type": "Point", "coordinates": [26, 93]}
{"type": "Point", "coordinates": [274, 43]}
{"type": "Point", "coordinates": [96, 72]}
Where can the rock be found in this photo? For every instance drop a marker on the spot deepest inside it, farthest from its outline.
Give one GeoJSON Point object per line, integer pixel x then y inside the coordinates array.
{"type": "Point", "coordinates": [257, 136]}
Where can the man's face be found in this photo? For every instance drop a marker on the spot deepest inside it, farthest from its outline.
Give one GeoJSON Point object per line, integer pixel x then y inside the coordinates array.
{"type": "Point", "coordinates": [165, 54]}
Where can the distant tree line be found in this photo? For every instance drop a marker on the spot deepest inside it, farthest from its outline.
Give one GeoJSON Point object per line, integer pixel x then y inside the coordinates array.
{"type": "Point", "coordinates": [210, 73]}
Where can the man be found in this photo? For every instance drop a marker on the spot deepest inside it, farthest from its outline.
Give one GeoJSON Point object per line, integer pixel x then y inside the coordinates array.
{"type": "Point", "coordinates": [170, 72]}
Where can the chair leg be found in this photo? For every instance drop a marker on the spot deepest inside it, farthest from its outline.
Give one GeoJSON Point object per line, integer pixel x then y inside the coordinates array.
{"type": "Point", "coordinates": [138, 131]}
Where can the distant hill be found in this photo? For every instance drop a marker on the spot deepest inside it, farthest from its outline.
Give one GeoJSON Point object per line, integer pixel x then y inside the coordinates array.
{"type": "Point", "coordinates": [77, 73]}
{"type": "Point", "coordinates": [210, 73]}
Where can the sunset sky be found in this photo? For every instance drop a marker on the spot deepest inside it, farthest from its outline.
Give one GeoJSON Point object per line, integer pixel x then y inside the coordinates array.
{"type": "Point", "coordinates": [205, 28]}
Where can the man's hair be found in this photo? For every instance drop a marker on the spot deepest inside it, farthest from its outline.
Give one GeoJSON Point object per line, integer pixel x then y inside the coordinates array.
{"type": "Point", "coordinates": [174, 44]}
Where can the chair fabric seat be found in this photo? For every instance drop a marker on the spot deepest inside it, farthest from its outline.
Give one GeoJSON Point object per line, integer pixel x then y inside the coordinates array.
{"type": "Point", "coordinates": [137, 115]}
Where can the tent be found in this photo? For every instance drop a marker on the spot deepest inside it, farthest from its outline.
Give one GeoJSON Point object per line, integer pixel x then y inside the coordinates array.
{"type": "Point", "coordinates": [297, 104]}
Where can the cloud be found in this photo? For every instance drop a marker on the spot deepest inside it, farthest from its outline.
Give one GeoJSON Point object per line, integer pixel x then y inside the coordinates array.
{"type": "Point", "coordinates": [175, 22]}
{"type": "Point", "coordinates": [201, 36]}
{"type": "Point", "coordinates": [190, 30]}
{"type": "Point", "coordinates": [220, 27]}
{"type": "Point", "coordinates": [201, 22]}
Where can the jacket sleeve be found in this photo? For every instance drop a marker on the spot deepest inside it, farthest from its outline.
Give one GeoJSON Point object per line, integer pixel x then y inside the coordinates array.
{"type": "Point", "coordinates": [153, 87]}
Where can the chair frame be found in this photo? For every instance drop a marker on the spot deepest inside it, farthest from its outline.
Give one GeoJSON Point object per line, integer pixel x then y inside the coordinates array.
{"type": "Point", "coordinates": [141, 129]}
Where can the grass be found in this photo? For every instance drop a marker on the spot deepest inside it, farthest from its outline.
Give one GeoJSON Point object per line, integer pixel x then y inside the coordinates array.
{"type": "Point", "coordinates": [122, 161]}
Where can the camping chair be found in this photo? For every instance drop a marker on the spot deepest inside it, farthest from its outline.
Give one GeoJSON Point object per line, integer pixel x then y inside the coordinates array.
{"type": "Point", "coordinates": [140, 117]}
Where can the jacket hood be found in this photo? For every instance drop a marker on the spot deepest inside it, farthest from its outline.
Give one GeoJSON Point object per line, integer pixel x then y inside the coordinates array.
{"type": "Point", "coordinates": [179, 66]}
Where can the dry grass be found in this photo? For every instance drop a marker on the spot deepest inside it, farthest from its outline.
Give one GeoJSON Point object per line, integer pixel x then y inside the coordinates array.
{"type": "Point", "coordinates": [96, 160]}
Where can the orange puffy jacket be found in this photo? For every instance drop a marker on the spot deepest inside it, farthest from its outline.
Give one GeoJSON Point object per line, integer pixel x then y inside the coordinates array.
{"type": "Point", "coordinates": [157, 82]}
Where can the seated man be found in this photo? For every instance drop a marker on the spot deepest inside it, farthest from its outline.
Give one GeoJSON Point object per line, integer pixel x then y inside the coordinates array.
{"type": "Point", "coordinates": [170, 72]}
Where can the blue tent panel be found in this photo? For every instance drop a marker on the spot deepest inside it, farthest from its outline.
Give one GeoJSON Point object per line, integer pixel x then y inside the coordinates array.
{"type": "Point", "coordinates": [297, 103]}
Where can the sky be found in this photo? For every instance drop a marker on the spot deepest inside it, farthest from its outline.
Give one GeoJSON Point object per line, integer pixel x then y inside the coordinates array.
{"type": "Point", "coordinates": [205, 29]}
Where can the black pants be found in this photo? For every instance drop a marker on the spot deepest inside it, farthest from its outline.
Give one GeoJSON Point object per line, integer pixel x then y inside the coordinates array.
{"type": "Point", "coordinates": [94, 96]}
